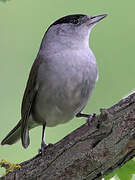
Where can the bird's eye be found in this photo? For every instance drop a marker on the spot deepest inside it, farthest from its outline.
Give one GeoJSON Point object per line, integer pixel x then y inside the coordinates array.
{"type": "Point", "coordinates": [75, 21]}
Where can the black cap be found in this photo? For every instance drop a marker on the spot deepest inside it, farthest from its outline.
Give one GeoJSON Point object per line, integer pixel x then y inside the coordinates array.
{"type": "Point", "coordinates": [69, 19]}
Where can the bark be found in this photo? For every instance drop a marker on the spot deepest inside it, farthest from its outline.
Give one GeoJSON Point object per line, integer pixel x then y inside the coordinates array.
{"type": "Point", "coordinates": [90, 152]}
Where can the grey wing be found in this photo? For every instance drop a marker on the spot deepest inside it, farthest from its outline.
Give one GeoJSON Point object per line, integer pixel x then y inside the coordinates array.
{"type": "Point", "coordinates": [28, 98]}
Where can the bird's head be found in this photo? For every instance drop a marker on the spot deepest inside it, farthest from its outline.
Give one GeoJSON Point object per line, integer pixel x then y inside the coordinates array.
{"type": "Point", "coordinates": [72, 30]}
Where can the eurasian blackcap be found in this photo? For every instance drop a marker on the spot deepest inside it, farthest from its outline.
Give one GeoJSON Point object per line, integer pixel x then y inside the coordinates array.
{"type": "Point", "coordinates": [61, 79]}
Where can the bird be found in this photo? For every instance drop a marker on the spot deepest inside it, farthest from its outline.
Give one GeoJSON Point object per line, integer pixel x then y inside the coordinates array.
{"type": "Point", "coordinates": [61, 79]}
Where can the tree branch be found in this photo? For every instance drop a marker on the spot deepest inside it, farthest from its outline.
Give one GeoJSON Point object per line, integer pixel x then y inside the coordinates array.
{"type": "Point", "coordinates": [89, 152]}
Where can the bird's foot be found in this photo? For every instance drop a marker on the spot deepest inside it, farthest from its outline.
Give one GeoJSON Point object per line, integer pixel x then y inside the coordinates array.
{"type": "Point", "coordinates": [43, 148]}
{"type": "Point", "coordinates": [91, 118]}
{"type": "Point", "coordinates": [10, 167]}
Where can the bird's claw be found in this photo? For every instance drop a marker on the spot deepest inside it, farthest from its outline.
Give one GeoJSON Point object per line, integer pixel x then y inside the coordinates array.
{"type": "Point", "coordinates": [91, 118]}
{"type": "Point", "coordinates": [43, 148]}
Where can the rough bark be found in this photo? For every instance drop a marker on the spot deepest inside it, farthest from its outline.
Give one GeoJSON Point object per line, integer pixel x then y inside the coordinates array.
{"type": "Point", "coordinates": [89, 152]}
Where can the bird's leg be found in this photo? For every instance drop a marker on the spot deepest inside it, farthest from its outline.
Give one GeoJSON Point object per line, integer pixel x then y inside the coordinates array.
{"type": "Point", "coordinates": [82, 115]}
{"type": "Point", "coordinates": [90, 117]}
{"type": "Point", "coordinates": [43, 145]}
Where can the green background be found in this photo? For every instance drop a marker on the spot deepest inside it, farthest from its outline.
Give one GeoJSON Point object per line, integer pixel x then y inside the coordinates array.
{"type": "Point", "coordinates": [22, 26]}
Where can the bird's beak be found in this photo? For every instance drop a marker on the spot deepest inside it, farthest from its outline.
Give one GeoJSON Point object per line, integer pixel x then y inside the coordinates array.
{"type": "Point", "coordinates": [95, 19]}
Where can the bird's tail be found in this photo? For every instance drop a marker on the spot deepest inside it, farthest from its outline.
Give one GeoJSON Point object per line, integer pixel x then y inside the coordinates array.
{"type": "Point", "coordinates": [15, 134]}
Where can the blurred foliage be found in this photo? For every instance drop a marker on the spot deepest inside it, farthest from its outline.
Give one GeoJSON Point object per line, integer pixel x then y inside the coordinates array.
{"type": "Point", "coordinates": [4, 0]}
{"type": "Point", "coordinates": [125, 172]}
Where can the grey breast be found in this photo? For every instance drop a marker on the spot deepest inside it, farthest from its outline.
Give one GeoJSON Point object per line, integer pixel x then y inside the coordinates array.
{"type": "Point", "coordinates": [64, 87]}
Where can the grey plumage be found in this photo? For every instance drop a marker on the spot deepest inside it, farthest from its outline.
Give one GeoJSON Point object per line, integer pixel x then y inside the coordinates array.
{"type": "Point", "coordinates": [61, 79]}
